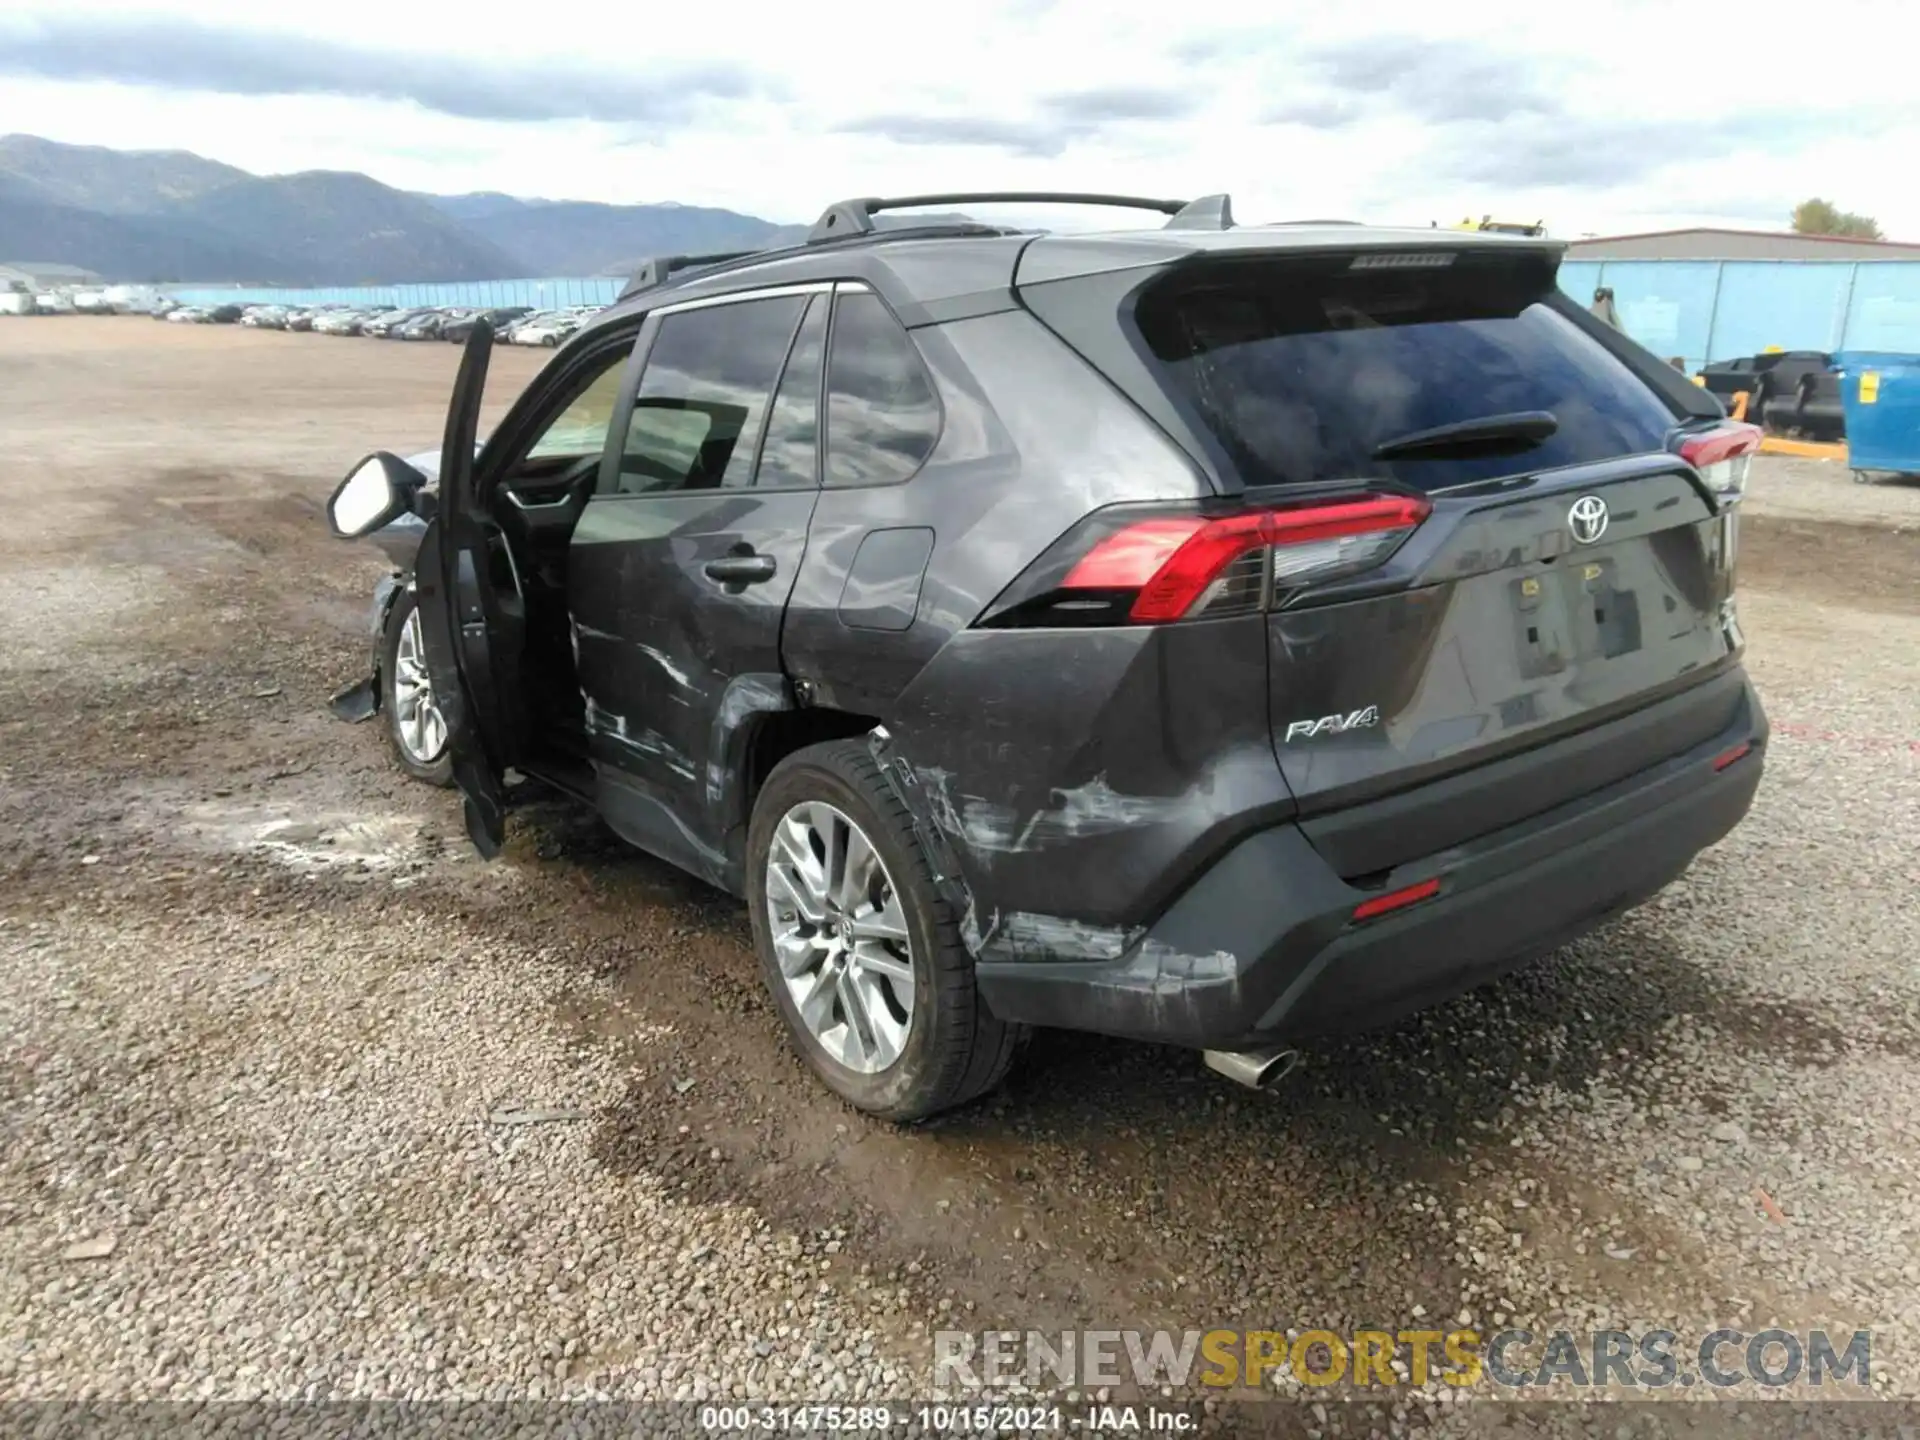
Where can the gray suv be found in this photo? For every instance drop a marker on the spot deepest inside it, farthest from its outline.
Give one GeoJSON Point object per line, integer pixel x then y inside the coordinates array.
{"type": "Point", "coordinates": [1207, 634]}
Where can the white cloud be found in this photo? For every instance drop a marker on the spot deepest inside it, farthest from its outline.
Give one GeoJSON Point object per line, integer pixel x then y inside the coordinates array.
{"type": "Point", "coordinates": [1615, 116]}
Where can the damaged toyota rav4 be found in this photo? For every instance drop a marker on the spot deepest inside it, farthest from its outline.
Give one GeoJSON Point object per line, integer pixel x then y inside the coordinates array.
{"type": "Point", "coordinates": [1208, 635]}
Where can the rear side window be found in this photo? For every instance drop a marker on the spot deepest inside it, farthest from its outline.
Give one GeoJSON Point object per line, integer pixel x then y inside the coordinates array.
{"type": "Point", "coordinates": [790, 454]}
{"type": "Point", "coordinates": [1300, 369]}
{"type": "Point", "coordinates": [882, 415]}
{"type": "Point", "coordinates": [703, 396]}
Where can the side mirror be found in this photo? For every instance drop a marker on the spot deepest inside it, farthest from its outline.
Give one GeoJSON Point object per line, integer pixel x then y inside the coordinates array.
{"type": "Point", "coordinates": [376, 492]}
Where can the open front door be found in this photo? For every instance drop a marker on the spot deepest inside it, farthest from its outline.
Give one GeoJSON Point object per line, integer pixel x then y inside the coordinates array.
{"type": "Point", "coordinates": [473, 615]}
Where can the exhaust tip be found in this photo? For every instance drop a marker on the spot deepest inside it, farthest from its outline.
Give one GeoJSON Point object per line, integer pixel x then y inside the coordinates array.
{"type": "Point", "coordinates": [1255, 1069]}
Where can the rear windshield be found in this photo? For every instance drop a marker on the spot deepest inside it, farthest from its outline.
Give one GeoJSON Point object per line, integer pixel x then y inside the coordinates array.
{"type": "Point", "coordinates": [1300, 368]}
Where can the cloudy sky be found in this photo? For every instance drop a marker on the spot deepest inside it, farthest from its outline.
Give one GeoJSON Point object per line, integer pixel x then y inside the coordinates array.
{"type": "Point", "coordinates": [1607, 116]}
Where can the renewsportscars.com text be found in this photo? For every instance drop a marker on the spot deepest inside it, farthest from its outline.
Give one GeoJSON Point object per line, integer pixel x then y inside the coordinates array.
{"type": "Point", "coordinates": [967, 1362]}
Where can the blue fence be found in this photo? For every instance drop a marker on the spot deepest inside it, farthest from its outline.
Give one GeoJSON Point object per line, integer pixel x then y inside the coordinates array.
{"type": "Point", "coordinates": [1700, 310]}
{"type": "Point", "coordinates": [1718, 309]}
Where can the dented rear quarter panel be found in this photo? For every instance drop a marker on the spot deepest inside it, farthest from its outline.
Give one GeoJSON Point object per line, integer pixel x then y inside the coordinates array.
{"type": "Point", "coordinates": [1070, 782]}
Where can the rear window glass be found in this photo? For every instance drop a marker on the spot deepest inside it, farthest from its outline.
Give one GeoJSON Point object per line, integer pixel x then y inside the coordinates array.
{"type": "Point", "coordinates": [1301, 369]}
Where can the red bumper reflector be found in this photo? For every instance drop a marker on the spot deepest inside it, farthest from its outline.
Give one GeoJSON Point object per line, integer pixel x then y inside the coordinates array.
{"type": "Point", "coordinates": [1396, 899]}
{"type": "Point", "coordinates": [1739, 752]}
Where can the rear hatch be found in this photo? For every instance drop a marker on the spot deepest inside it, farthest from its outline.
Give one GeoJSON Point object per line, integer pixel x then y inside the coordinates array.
{"type": "Point", "coordinates": [1482, 532]}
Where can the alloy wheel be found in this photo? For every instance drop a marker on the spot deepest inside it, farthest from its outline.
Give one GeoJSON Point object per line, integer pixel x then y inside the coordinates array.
{"type": "Point", "coordinates": [840, 937]}
{"type": "Point", "coordinates": [421, 727]}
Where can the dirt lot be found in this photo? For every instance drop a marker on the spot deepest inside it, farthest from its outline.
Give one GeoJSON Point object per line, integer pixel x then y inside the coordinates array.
{"type": "Point", "coordinates": [345, 1112]}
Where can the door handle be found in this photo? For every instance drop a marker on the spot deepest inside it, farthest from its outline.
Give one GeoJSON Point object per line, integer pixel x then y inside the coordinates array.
{"type": "Point", "coordinates": [742, 569]}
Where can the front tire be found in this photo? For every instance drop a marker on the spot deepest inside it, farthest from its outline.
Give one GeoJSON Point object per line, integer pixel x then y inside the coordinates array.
{"type": "Point", "coordinates": [415, 728]}
{"type": "Point", "coordinates": [861, 954]}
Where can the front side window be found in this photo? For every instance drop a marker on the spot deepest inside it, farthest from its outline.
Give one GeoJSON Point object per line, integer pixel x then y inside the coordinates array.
{"type": "Point", "coordinates": [882, 414]}
{"type": "Point", "coordinates": [581, 429]}
{"type": "Point", "coordinates": [704, 394]}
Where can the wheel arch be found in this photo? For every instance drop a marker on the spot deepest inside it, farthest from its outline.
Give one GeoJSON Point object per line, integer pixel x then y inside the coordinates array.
{"type": "Point", "coordinates": [758, 740]}
{"type": "Point", "coordinates": [386, 599]}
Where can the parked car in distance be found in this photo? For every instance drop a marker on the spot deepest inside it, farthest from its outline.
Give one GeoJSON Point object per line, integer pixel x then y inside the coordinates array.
{"type": "Point", "coordinates": [307, 316]}
{"type": "Point", "coordinates": [510, 332]}
{"type": "Point", "coordinates": [499, 318]}
{"type": "Point", "coordinates": [432, 324]}
{"type": "Point", "coordinates": [383, 325]}
{"type": "Point", "coordinates": [1208, 636]}
{"type": "Point", "coordinates": [551, 329]}
{"type": "Point", "coordinates": [54, 302]}
{"type": "Point", "coordinates": [417, 326]}
{"type": "Point", "coordinates": [351, 321]}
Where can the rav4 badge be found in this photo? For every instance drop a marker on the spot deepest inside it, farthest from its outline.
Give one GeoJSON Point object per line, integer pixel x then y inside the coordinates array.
{"type": "Point", "coordinates": [1333, 724]}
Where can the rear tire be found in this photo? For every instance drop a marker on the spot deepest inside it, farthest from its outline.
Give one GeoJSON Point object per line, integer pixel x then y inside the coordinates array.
{"type": "Point", "coordinates": [950, 1048]}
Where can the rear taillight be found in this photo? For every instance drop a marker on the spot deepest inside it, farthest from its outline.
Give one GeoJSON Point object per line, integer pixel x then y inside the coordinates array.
{"type": "Point", "coordinates": [1124, 567]}
{"type": "Point", "coordinates": [1723, 455]}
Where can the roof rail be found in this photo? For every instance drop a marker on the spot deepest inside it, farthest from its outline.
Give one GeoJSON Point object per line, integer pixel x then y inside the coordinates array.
{"type": "Point", "coordinates": [659, 267]}
{"type": "Point", "coordinates": [855, 217]}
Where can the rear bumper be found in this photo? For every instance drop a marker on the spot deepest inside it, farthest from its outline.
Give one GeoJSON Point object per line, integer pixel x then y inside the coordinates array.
{"type": "Point", "coordinates": [1262, 947]}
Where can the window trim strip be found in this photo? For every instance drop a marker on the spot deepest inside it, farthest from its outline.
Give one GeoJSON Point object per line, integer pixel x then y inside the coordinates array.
{"type": "Point", "coordinates": [736, 297]}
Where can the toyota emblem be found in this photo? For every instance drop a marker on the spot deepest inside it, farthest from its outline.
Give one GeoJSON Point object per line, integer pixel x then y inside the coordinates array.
{"type": "Point", "coordinates": [1588, 519]}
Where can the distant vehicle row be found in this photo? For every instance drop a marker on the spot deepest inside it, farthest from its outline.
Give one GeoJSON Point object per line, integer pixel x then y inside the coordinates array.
{"type": "Point", "coordinates": [514, 324]}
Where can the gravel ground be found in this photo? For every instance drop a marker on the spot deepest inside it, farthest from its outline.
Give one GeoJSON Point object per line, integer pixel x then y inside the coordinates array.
{"type": "Point", "coordinates": [1825, 491]}
{"type": "Point", "coordinates": [297, 1098]}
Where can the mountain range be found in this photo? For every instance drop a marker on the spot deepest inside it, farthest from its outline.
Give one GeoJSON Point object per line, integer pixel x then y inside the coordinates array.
{"type": "Point", "coordinates": [168, 216]}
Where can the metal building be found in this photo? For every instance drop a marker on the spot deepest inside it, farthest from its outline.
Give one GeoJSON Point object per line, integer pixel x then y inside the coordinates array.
{"type": "Point", "coordinates": [1707, 243]}
{"type": "Point", "coordinates": [42, 275]}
